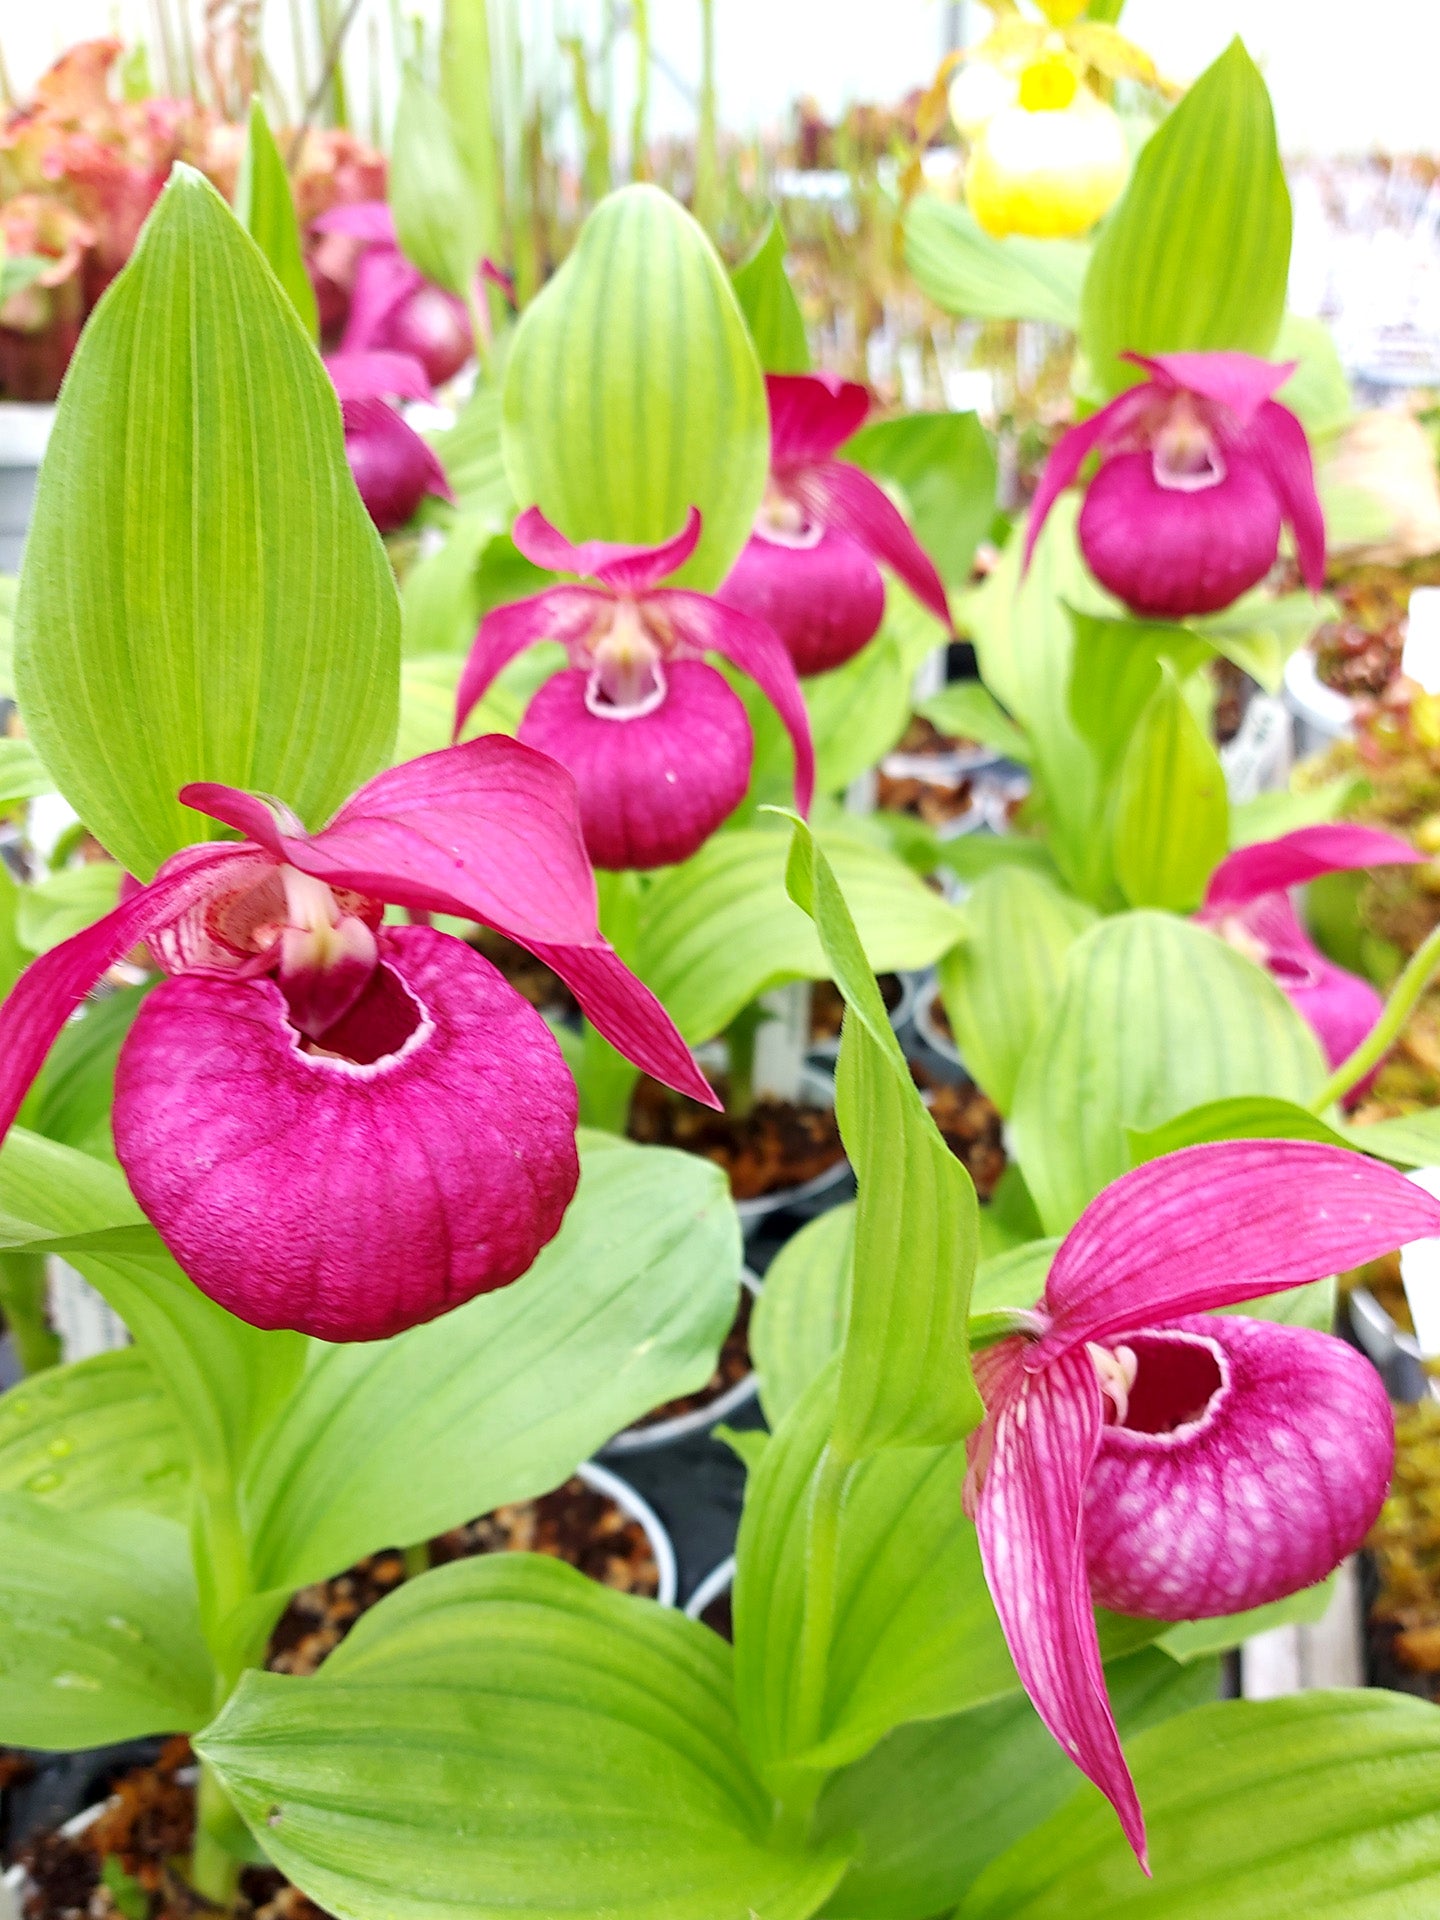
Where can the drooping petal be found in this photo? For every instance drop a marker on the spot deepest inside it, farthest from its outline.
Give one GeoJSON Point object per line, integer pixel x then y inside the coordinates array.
{"type": "Point", "coordinates": [1215, 1225]}
{"type": "Point", "coordinates": [1169, 553]}
{"type": "Point", "coordinates": [842, 496]}
{"type": "Point", "coordinates": [811, 415]}
{"type": "Point", "coordinates": [1042, 1431]}
{"type": "Point", "coordinates": [653, 786]}
{"type": "Point", "coordinates": [1277, 442]}
{"type": "Point", "coordinates": [1238, 381]}
{"type": "Point", "coordinates": [1252, 1460]}
{"type": "Point", "coordinates": [393, 467]}
{"type": "Point", "coordinates": [446, 1117]}
{"type": "Point", "coordinates": [624, 569]}
{"type": "Point", "coordinates": [384, 280]}
{"type": "Point", "coordinates": [750, 645]}
{"type": "Point", "coordinates": [565, 614]}
{"type": "Point", "coordinates": [52, 987]}
{"type": "Point", "coordinates": [377, 375]}
{"type": "Point", "coordinates": [824, 601]}
{"type": "Point", "coordinates": [1072, 450]}
{"type": "Point", "coordinates": [369, 220]}
{"type": "Point", "coordinates": [1292, 859]}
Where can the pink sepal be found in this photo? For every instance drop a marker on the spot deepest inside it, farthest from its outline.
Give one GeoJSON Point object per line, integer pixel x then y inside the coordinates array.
{"type": "Point", "coordinates": [1240, 382]}
{"type": "Point", "coordinates": [838, 495]}
{"type": "Point", "coordinates": [1277, 441]}
{"type": "Point", "coordinates": [1073, 449]}
{"type": "Point", "coordinates": [565, 614]}
{"type": "Point", "coordinates": [1271, 866]}
{"type": "Point", "coordinates": [377, 374]}
{"type": "Point", "coordinates": [624, 569]}
{"type": "Point", "coordinates": [811, 415]}
{"type": "Point", "coordinates": [369, 220]}
{"type": "Point", "coordinates": [623, 1009]}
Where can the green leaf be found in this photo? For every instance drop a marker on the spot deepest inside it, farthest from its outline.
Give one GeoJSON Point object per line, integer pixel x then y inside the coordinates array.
{"type": "Point", "coordinates": [265, 207]}
{"type": "Point", "coordinates": [1409, 1140]}
{"type": "Point", "coordinates": [1196, 1639]}
{"type": "Point", "coordinates": [1269, 815]}
{"type": "Point", "coordinates": [768, 302]}
{"type": "Point", "coordinates": [99, 1627]}
{"type": "Point", "coordinates": [504, 1737]}
{"type": "Point", "coordinates": [1015, 1278]}
{"type": "Point", "coordinates": [95, 1435]}
{"type": "Point", "coordinates": [19, 271]}
{"type": "Point", "coordinates": [204, 596]}
{"type": "Point", "coordinates": [1318, 390]}
{"type": "Point", "coordinates": [440, 600]}
{"type": "Point", "coordinates": [1172, 814]}
{"type": "Point", "coordinates": [859, 711]}
{"type": "Point", "coordinates": [474, 460]}
{"type": "Point", "coordinates": [1000, 983]}
{"type": "Point", "coordinates": [936, 1801]}
{"type": "Point", "coordinates": [967, 272]}
{"type": "Point", "coordinates": [1261, 631]}
{"type": "Point", "coordinates": [1196, 255]}
{"type": "Point", "coordinates": [467, 87]}
{"type": "Point", "coordinates": [22, 772]}
{"type": "Point", "coordinates": [1250, 1117]}
{"type": "Point", "coordinates": [905, 1378]}
{"type": "Point", "coordinates": [1155, 1016]}
{"type": "Point", "coordinates": [968, 711]}
{"type": "Point", "coordinates": [75, 1093]}
{"type": "Point", "coordinates": [396, 1440]}
{"type": "Point", "coordinates": [1320, 1804]}
{"type": "Point", "coordinates": [439, 218]}
{"type": "Point", "coordinates": [799, 1320]}
{"type": "Point", "coordinates": [718, 931]}
{"type": "Point", "coordinates": [633, 393]}
{"type": "Point", "coordinates": [944, 465]}
{"type": "Point", "coordinates": [69, 901]}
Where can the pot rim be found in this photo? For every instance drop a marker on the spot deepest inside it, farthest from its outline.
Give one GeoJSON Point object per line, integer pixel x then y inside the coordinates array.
{"type": "Point", "coordinates": [602, 1479]}
{"type": "Point", "coordinates": [716, 1582]}
{"type": "Point", "coordinates": [637, 1439]}
{"type": "Point", "coordinates": [827, 1052]}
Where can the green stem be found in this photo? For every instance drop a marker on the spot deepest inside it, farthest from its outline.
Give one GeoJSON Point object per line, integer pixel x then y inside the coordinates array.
{"type": "Point", "coordinates": [1386, 1030]}
{"type": "Point", "coordinates": [22, 1298]}
{"type": "Point", "coordinates": [707, 162]}
{"type": "Point", "coordinates": [214, 1866]}
{"type": "Point", "coordinates": [639, 119]}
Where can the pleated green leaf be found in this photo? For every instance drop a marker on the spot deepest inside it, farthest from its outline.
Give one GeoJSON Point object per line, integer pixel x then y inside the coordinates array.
{"type": "Point", "coordinates": [99, 1434]}
{"type": "Point", "coordinates": [506, 1738]}
{"type": "Point", "coordinates": [632, 392]}
{"type": "Point", "coordinates": [1155, 1016]}
{"type": "Point", "coordinates": [858, 712]}
{"type": "Point", "coordinates": [204, 597]}
{"type": "Point", "coordinates": [968, 272]}
{"type": "Point", "coordinates": [1172, 813]}
{"type": "Point", "coordinates": [1196, 255]}
{"type": "Point", "coordinates": [799, 1320]}
{"type": "Point", "coordinates": [768, 302]}
{"type": "Point", "coordinates": [440, 218]}
{"type": "Point", "coordinates": [1321, 1804]}
{"type": "Point", "coordinates": [265, 207]}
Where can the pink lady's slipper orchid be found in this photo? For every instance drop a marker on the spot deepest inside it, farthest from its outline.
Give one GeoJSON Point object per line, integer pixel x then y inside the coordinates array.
{"type": "Point", "coordinates": [1145, 1454]}
{"type": "Point", "coordinates": [808, 569]}
{"type": "Point", "coordinates": [1199, 468]}
{"type": "Point", "coordinates": [658, 742]}
{"type": "Point", "coordinates": [336, 1125]}
{"type": "Point", "coordinates": [1248, 904]}
{"type": "Point", "coordinates": [393, 467]}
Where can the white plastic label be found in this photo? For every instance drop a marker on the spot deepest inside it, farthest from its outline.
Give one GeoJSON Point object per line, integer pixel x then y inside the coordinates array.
{"type": "Point", "coordinates": [1421, 658]}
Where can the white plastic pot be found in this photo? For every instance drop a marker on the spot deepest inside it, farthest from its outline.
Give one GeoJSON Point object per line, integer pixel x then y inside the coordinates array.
{"type": "Point", "coordinates": [719, 1580]}
{"type": "Point", "coordinates": [681, 1426]}
{"type": "Point", "coordinates": [1321, 714]}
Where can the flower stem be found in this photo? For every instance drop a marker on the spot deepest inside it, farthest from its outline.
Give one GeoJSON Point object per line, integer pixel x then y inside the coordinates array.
{"type": "Point", "coordinates": [22, 1299]}
{"type": "Point", "coordinates": [214, 1866]}
{"type": "Point", "coordinates": [1386, 1030]}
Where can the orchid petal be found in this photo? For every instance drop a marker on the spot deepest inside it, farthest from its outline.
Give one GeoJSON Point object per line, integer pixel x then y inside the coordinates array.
{"type": "Point", "coordinates": [1277, 441]}
{"type": "Point", "coordinates": [384, 281]}
{"type": "Point", "coordinates": [1070, 453]}
{"type": "Point", "coordinates": [488, 830]}
{"type": "Point", "coordinates": [758, 652]}
{"type": "Point", "coordinates": [369, 220]}
{"type": "Point", "coordinates": [811, 415]}
{"type": "Point", "coordinates": [1340, 1009]}
{"type": "Point", "coordinates": [377, 374]}
{"type": "Point", "coordinates": [1269, 866]}
{"type": "Point", "coordinates": [624, 569]}
{"type": "Point", "coordinates": [1042, 1432]}
{"type": "Point", "coordinates": [842, 496]}
{"type": "Point", "coordinates": [52, 987]}
{"type": "Point", "coordinates": [393, 468]}
{"type": "Point", "coordinates": [562, 613]}
{"type": "Point", "coordinates": [1239, 381]}
{"type": "Point", "coordinates": [1215, 1225]}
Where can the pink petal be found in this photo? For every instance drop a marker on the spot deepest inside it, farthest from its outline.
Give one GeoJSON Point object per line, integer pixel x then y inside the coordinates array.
{"type": "Point", "coordinates": [1212, 1226]}
{"type": "Point", "coordinates": [52, 987]}
{"type": "Point", "coordinates": [1265, 1493]}
{"type": "Point", "coordinates": [561, 613]}
{"type": "Point", "coordinates": [384, 279]}
{"type": "Point", "coordinates": [624, 569]}
{"type": "Point", "coordinates": [1294, 858]}
{"type": "Point", "coordinates": [1277, 441]}
{"type": "Point", "coordinates": [448, 1161]}
{"type": "Point", "coordinates": [811, 415]}
{"type": "Point", "coordinates": [751, 646]}
{"type": "Point", "coordinates": [1070, 453]}
{"type": "Point", "coordinates": [378, 375]}
{"type": "Point", "coordinates": [825, 602]}
{"type": "Point", "coordinates": [1042, 1431]}
{"type": "Point", "coordinates": [393, 467]}
{"type": "Point", "coordinates": [1238, 381]}
{"type": "Point", "coordinates": [842, 496]}
{"type": "Point", "coordinates": [653, 787]}
{"type": "Point", "coordinates": [1340, 1009]}
{"type": "Point", "coordinates": [1168, 553]}
{"type": "Point", "coordinates": [369, 220]}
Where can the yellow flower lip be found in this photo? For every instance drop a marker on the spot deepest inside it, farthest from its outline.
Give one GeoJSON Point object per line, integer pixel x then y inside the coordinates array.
{"type": "Point", "coordinates": [1048, 85]}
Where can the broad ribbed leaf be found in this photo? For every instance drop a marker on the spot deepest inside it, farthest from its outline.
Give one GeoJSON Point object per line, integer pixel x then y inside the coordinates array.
{"type": "Point", "coordinates": [799, 1320]}
{"type": "Point", "coordinates": [440, 219]}
{"type": "Point", "coordinates": [265, 207]}
{"type": "Point", "coordinates": [99, 1434]}
{"type": "Point", "coordinates": [204, 597]}
{"type": "Point", "coordinates": [858, 712]}
{"type": "Point", "coordinates": [1197, 254]}
{"type": "Point", "coordinates": [967, 272]}
{"type": "Point", "coordinates": [1155, 1016]}
{"type": "Point", "coordinates": [768, 302]}
{"type": "Point", "coordinates": [1172, 814]}
{"type": "Point", "coordinates": [1252, 1117]}
{"type": "Point", "coordinates": [632, 391]}
{"type": "Point", "coordinates": [1411, 1140]}
{"type": "Point", "coordinates": [394, 1441]}
{"type": "Point", "coordinates": [474, 462]}
{"type": "Point", "coordinates": [467, 88]}
{"type": "Point", "coordinates": [98, 1626]}
{"type": "Point", "coordinates": [971, 712]}
{"type": "Point", "coordinates": [1321, 1804]}
{"type": "Point", "coordinates": [1003, 979]}
{"type": "Point", "coordinates": [944, 465]}
{"type": "Point", "coordinates": [719, 930]}
{"type": "Point", "coordinates": [505, 1738]}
